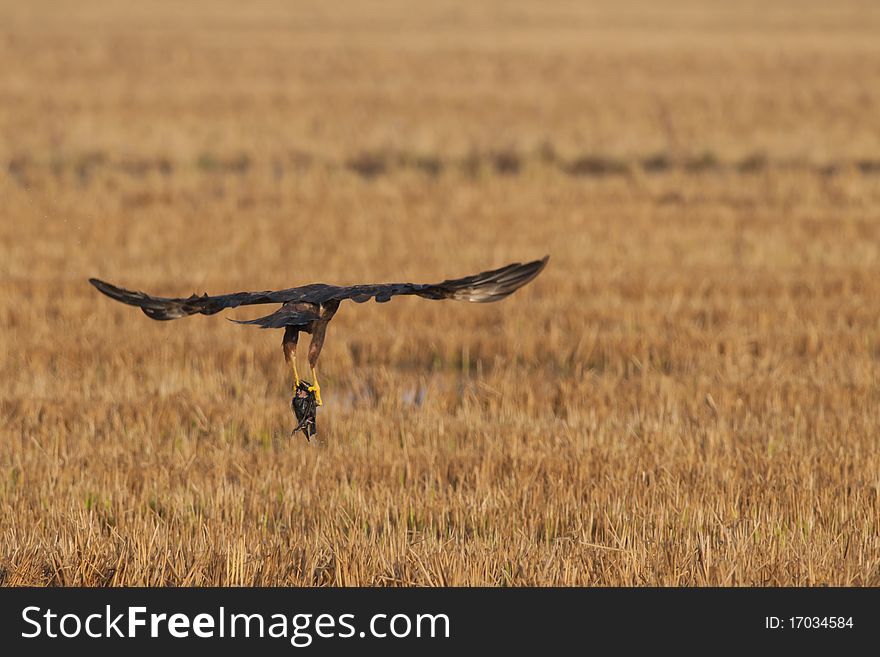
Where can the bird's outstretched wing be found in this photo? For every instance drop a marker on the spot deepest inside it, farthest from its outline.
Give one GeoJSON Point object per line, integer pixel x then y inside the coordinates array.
{"type": "Point", "coordinates": [487, 286]}
{"type": "Point", "coordinates": [164, 308]}
{"type": "Point", "coordinates": [484, 287]}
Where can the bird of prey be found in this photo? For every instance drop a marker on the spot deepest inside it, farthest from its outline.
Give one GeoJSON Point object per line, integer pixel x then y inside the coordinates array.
{"type": "Point", "coordinates": [309, 308]}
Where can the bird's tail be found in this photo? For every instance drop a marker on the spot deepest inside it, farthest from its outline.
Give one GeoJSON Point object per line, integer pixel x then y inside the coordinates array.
{"type": "Point", "coordinates": [487, 286]}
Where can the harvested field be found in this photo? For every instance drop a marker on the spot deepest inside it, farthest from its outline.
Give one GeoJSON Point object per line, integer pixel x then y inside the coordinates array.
{"type": "Point", "coordinates": [688, 395]}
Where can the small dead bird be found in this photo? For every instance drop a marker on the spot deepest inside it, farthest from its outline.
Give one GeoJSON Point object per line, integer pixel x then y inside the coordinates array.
{"type": "Point", "coordinates": [305, 408]}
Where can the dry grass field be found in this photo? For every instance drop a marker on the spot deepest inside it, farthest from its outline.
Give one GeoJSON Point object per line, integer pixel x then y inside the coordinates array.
{"type": "Point", "coordinates": [688, 395]}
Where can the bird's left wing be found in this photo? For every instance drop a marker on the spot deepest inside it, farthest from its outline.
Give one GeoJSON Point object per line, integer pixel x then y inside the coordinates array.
{"type": "Point", "coordinates": [487, 286]}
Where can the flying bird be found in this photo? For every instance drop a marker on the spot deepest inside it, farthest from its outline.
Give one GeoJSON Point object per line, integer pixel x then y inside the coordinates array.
{"type": "Point", "coordinates": [309, 308]}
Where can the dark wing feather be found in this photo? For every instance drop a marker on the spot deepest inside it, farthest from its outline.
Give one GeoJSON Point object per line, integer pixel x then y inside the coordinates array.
{"type": "Point", "coordinates": [487, 286]}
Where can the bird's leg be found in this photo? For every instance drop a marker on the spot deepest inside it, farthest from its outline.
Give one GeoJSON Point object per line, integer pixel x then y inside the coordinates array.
{"type": "Point", "coordinates": [291, 335]}
{"type": "Point", "coordinates": [295, 373]}
{"type": "Point", "coordinates": [315, 387]}
{"type": "Point", "coordinates": [319, 331]}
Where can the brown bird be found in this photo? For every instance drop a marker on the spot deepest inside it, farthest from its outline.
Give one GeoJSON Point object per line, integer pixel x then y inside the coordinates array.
{"type": "Point", "coordinates": [310, 308]}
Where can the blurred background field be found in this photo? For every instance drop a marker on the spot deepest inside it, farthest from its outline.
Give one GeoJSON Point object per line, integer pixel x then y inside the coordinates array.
{"type": "Point", "coordinates": [688, 395]}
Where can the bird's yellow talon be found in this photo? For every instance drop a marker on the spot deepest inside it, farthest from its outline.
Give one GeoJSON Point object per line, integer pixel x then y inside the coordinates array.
{"type": "Point", "coordinates": [316, 388]}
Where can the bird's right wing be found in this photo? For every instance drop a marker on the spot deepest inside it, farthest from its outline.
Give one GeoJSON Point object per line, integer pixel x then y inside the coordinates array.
{"type": "Point", "coordinates": [164, 308]}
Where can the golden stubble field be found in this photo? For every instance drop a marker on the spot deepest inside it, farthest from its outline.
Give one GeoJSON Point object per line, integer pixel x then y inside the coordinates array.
{"type": "Point", "coordinates": [688, 395]}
